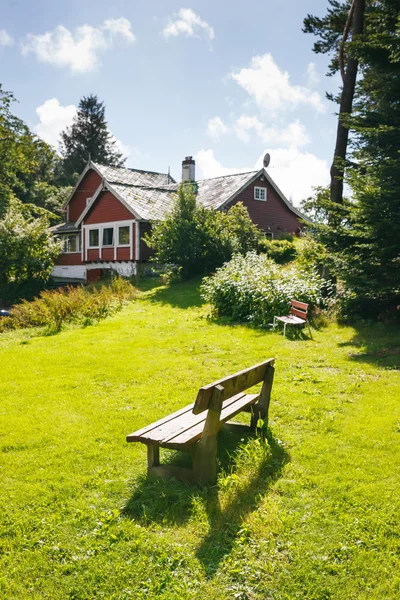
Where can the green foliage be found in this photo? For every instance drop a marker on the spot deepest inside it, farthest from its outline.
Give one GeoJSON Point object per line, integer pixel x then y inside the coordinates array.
{"type": "Point", "coordinates": [329, 30]}
{"type": "Point", "coordinates": [29, 168]}
{"type": "Point", "coordinates": [253, 288]}
{"type": "Point", "coordinates": [361, 236]}
{"type": "Point", "coordinates": [87, 137]}
{"type": "Point", "coordinates": [27, 251]}
{"type": "Point", "coordinates": [281, 251]}
{"type": "Point", "coordinates": [197, 239]}
{"type": "Point", "coordinates": [55, 308]}
{"type": "Point", "coordinates": [312, 255]}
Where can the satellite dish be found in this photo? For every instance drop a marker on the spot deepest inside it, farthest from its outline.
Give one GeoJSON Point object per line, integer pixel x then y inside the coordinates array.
{"type": "Point", "coordinates": [267, 160]}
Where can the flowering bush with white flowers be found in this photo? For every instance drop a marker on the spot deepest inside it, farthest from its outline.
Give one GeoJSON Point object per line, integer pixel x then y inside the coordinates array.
{"type": "Point", "coordinates": [254, 288]}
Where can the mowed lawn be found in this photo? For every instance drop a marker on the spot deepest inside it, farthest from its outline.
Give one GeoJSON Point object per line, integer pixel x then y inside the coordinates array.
{"type": "Point", "coordinates": [314, 514]}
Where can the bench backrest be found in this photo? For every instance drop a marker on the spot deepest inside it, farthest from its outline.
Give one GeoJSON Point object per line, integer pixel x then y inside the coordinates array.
{"type": "Point", "coordinates": [233, 384]}
{"type": "Point", "coordinates": [299, 309]}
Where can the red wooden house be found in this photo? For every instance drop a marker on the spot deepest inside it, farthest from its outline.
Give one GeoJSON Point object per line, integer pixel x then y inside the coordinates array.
{"type": "Point", "coordinates": [110, 209]}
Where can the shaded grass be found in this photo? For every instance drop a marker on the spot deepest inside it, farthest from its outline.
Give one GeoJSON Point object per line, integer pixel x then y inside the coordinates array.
{"type": "Point", "coordinates": [79, 519]}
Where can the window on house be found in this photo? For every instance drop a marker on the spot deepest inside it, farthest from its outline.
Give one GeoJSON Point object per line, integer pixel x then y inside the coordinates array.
{"type": "Point", "coordinates": [124, 237]}
{"type": "Point", "coordinates": [71, 243]}
{"type": "Point", "coordinates": [108, 236]}
{"type": "Point", "coordinates": [260, 193]}
{"type": "Point", "coordinates": [269, 235]}
{"type": "Point", "coordinates": [93, 238]}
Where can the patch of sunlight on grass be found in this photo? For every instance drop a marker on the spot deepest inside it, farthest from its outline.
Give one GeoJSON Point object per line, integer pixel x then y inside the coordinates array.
{"type": "Point", "coordinates": [310, 513]}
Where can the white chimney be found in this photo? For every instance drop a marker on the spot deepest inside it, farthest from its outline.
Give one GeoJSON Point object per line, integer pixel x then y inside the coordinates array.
{"type": "Point", "coordinates": [188, 169]}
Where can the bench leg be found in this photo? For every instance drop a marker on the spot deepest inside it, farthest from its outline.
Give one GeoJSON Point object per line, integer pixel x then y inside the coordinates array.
{"type": "Point", "coordinates": [204, 460]}
{"type": "Point", "coordinates": [204, 453]}
{"type": "Point", "coordinates": [265, 394]}
{"type": "Point", "coordinates": [153, 456]}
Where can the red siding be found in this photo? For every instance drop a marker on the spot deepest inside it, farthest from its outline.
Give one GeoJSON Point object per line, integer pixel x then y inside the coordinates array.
{"type": "Point", "coordinates": [107, 208]}
{"type": "Point", "coordinates": [93, 255]}
{"type": "Point", "coordinates": [272, 215]}
{"type": "Point", "coordinates": [107, 254]}
{"type": "Point", "coordinates": [86, 189]}
{"type": "Point", "coordinates": [145, 251]}
{"type": "Point", "coordinates": [73, 258]}
{"type": "Point", "coordinates": [123, 253]}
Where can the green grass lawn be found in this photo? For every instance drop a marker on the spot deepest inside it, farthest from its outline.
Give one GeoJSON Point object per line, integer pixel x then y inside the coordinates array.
{"type": "Point", "coordinates": [314, 514]}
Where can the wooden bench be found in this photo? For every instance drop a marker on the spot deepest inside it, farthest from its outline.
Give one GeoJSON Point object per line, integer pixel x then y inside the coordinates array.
{"type": "Point", "coordinates": [298, 315]}
{"type": "Point", "coordinates": [195, 428]}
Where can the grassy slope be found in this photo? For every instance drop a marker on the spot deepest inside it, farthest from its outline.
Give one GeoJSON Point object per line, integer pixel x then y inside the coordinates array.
{"type": "Point", "coordinates": [314, 515]}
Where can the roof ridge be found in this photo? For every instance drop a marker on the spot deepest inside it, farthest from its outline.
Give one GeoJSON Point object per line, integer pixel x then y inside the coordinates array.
{"type": "Point", "coordinates": [132, 169]}
{"type": "Point", "coordinates": [230, 175]}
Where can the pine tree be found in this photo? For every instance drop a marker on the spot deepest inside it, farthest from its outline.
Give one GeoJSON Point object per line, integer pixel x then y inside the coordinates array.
{"type": "Point", "coordinates": [334, 31]}
{"type": "Point", "coordinates": [87, 137]}
{"type": "Point", "coordinates": [362, 234]}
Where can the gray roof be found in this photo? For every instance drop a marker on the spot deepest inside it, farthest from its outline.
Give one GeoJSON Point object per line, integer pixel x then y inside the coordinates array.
{"type": "Point", "coordinates": [153, 203]}
{"type": "Point", "coordinates": [147, 203]}
{"type": "Point", "coordinates": [213, 193]}
{"type": "Point", "coordinates": [150, 195]}
{"type": "Point", "coordinates": [69, 227]}
{"type": "Point", "coordinates": [124, 176]}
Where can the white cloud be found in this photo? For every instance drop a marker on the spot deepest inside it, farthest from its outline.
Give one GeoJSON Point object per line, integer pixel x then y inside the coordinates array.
{"type": "Point", "coordinates": [293, 134]}
{"type": "Point", "coordinates": [271, 89]}
{"type": "Point", "coordinates": [79, 51]}
{"type": "Point", "coordinates": [312, 77]}
{"type": "Point", "coordinates": [120, 27]}
{"type": "Point", "coordinates": [294, 171]}
{"type": "Point", "coordinates": [187, 23]}
{"type": "Point", "coordinates": [53, 118]}
{"type": "Point", "coordinates": [216, 127]}
{"type": "Point", "coordinates": [5, 38]}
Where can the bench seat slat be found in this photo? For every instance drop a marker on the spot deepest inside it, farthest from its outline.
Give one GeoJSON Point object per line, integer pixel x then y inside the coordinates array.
{"type": "Point", "coordinates": [291, 319]}
{"type": "Point", "coordinates": [158, 423]}
{"type": "Point", "coordinates": [183, 427]}
{"type": "Point", "coordinates": [195, 432]}
{"type": "Point", "coordinates": [179, 424]}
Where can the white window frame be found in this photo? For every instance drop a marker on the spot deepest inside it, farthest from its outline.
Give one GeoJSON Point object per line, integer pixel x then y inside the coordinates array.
{"type": "Point", "coordinates": [258, 188]}
{"type": "Point", "coordinates": [269, 235]}
{"type": "Point", "coordinates": [130, 236]}
{"type": "Point", "coordinates": [101, 226]}
{"type": "Point", "coordinates": [65, 236]}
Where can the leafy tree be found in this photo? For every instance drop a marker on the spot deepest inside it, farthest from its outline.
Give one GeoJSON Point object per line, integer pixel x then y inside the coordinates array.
{"type": "Point", "coordinates": [199, 239]}
{"type": "Point", "coordinates": [27, 251]}
{"type": "Point", "coordinates": [29, 168]}
{"type": "Point", "coordinates": [87, 137]}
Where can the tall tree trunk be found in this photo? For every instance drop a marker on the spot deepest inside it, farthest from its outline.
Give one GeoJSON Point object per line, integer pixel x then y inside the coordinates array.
{"type": "Point", "coordinates": [356, 15]}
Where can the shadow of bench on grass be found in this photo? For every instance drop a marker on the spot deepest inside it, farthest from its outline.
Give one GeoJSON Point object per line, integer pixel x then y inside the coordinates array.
{"type": "Point", "coordinates": [171, 503]}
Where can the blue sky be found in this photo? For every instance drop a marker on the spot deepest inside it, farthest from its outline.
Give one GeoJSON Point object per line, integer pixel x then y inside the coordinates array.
{"type": "Point", "coordinates": [224, 82]}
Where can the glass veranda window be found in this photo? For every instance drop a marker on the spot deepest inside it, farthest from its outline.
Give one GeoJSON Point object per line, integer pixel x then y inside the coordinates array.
{"type": "Point", "coordinates": [93, 238]}
{"type": "Point", "coordinates": [108, 236]}
{"type": "Point", "coordinates": [70, 243]}
{"type": "Point", "coordinates": [124, 237]}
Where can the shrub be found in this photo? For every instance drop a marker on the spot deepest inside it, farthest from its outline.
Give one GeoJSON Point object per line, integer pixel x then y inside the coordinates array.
{"type": "Point", "coordinates": [253, 288]}
{"type": "Point", "coordinates": [281, 251]}
{"type": "Point", "coordinates": [70, 305]}
{"type": "Point", "coordinates": [27, 252]}
{"type": "Point", "coordinates": [197, 239]}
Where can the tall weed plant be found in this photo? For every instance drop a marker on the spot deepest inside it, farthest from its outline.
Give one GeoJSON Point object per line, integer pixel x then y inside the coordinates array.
{"type": "Point", "coordinates": [54, 308]}
{"type": "Point", "coordinates": [253, 288]}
